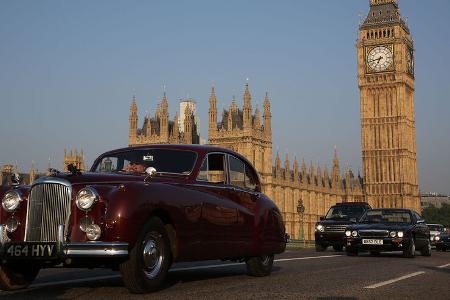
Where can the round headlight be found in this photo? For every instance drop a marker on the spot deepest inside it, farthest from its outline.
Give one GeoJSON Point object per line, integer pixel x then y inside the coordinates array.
{"type": "Point", "coordinates": [348, 233]}
{"type": "Point", "coordinates": [93, 232]}
{"type": "Point", "coordinates": [86, 198]}
{"type": "Point", "coordinates": [400, 234]}
{"type": "Point", "coordinates": [12, 224]}
{"type": "Point", "coordinates": [437, 238]}
{"type": "Point", "coordinates": [392, 233]}
{"type": "Point", "coordinates": [11, 201]}
{"type": "Point", "coordinates": [354, 233]}
{"type": "Point", "coordinates": [320, 228]}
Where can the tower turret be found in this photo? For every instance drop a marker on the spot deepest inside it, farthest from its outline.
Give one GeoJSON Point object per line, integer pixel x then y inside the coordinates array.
{"type": "Point", "coordinates": [267, 117]}
{"type": "Point", "coordinates": [247, 108]}
{"type": "Point", "coordinates": [212, 112]}
{"type": "Point", "coordinates": [133, 122]}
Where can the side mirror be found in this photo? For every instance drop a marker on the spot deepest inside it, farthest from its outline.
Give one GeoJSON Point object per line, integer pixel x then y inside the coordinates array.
{"type": "Point", "coordinates": [322, 218]}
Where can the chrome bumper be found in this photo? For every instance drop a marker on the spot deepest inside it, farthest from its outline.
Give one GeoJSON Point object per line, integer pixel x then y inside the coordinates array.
{"type": "Point", "coordinates": [77, 250]}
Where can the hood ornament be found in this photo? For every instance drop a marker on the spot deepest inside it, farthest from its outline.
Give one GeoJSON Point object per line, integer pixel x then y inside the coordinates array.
{"type": "Point", "coordinates": [15, 179]}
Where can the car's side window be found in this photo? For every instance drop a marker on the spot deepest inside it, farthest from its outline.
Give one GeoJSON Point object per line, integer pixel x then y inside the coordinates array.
{"type": "Point", "coordinates": [213, 169]}
{"type": "Point", "coordinates": [241, 174]}
{"type": "Point", "coordinates": [250, 178]}
{"type": "Point", "coordinates": [237, 172]}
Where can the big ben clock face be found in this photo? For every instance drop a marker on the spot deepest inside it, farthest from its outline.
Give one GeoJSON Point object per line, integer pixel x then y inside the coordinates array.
{"type": "Point", "coordinates": [379, 58]}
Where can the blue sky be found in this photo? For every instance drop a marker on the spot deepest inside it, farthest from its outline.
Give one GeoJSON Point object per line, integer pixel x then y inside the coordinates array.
{"type": "Point", "coordinates": [68, 70]}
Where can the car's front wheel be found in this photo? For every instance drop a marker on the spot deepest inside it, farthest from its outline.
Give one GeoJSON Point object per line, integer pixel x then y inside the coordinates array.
{"type": "Point", "coordinates": [426, 251]}
{"type": "Point", "coordinates": [149, 260]}
{"type": "Point", "coordinates": [17, 276]}
{"type": "Point", "coordinates": [410, 250]}
{"type": "Point", "coordinates": [260, 266]}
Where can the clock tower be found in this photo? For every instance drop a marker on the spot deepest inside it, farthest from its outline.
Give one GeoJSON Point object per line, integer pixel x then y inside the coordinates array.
{"type": "Point", "coordinates": [386, 83]}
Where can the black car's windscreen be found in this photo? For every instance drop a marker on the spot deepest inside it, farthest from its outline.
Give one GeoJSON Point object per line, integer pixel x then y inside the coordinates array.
{"type": "Point", "coordinates": [345, 212]}
{"type": "Point", "coordinates": [386, 216]}
{"type": "Point", "coordinates": [436, 227]}
{"type": "Point", "coordinates": [163, 160]}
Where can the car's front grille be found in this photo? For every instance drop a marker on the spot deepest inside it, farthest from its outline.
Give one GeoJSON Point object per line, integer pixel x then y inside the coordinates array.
{"type": "Point", "coordinates": [335, 228]}
{"type": "Point", "coordinates": [48, 207]}
{"type": "Point", "coordinates": [374, 233]}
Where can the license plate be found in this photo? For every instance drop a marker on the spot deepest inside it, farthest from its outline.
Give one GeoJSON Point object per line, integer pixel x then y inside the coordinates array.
{"type": "Point", "coordinates": [372, 242]}
{"type": "Point", "coordinates": [31, 250]}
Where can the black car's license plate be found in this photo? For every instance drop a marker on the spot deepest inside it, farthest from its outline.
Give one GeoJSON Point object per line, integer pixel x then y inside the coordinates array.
{"type": "Point", "coordinates": [31, 250]}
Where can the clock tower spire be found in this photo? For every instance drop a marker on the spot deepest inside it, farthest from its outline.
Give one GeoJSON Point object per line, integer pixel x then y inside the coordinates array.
{"type": "Point", "coordinates": [386, 83]}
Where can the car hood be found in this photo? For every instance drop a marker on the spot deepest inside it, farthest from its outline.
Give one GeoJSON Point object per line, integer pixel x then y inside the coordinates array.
{"type": "Point", "coordinates": [109, 178]}
{"type": "Point", "coordinates": [336, 222]}
{"type": "Point", "coordinates": [362, 226]}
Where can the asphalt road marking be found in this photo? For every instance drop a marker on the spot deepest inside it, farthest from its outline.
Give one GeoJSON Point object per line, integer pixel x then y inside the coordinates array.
{"type": "Point", "coordinates": [383, 283]}
{"type": "Point", "coordinates": [46, 284]}
{"type": "Point", "coordinates": [444, 266]}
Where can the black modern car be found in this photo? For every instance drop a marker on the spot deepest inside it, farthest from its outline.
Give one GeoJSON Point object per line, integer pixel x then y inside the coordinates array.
{"type": "Point", "coordinates": [435, 232]}
{"type": "Point", "coordinates": [389, 229]}
{"type": "Point", "coordinates": [443, 241]}
{"type": "Point", "coordinates": [330, 230]}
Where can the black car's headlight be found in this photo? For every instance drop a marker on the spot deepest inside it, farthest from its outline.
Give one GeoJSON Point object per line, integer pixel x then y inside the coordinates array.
{"type": "Point", "coordinates": [354, 233]}
{"type": "Point", "coordinates": [11, 201]}
{"type": "Point", "coordinates": [348, 233]}
{"type": "Point", "coordinates": [393, 234]}
{"type": "Point", "coordinates": [437, 238]}
{"type": "Point", "coordinates": [400, 234]}
{"type": "Point", "coordinates": [320, 228]}
{"type": "Point", "coordinates": [86, 198]}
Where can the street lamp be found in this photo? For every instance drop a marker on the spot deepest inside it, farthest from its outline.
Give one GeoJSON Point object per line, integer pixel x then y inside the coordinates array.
{"type": "Point", "coordinates": [300, 211]}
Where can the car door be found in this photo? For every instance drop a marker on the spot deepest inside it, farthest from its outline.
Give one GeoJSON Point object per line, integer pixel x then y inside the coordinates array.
{"type": "Point", "coordinates": [242, 191]}
{"type": "Point", "coordinates": [219, 215]}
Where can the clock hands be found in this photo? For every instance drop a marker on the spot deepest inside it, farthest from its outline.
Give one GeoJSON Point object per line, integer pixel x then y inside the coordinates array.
{"type": "Point", "coordinates": [376, 59]}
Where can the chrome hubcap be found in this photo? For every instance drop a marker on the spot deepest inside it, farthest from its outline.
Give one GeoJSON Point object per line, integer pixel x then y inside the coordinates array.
{"type": "Point", "coordinates": [265, 259]}
{"type": "Point", "coordinates": [152, 257]}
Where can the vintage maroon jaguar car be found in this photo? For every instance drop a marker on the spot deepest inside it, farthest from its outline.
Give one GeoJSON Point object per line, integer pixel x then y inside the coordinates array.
{"type": "Point", "coordinates": [140, 209]}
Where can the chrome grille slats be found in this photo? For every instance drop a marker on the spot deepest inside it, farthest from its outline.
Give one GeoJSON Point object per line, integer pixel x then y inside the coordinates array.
{"type": "Point", "coordinates": [373, 233]}
{"type": "Point", "coordinates": [48, 207]}
{"type": "Point", "coordinates": [335, 228]}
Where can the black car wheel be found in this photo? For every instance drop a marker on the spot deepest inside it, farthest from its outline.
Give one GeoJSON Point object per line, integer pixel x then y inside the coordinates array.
{"type": "Point", "coordinates": [351, 251]}
{"type": "Point", "coordinates": [17, 276]}
{"type": "Point", "coordinates": [426, 251]}
{"type": "Point", "coordinates": [149, 260]}
{"type": "Point", "coordinates": [338, 248]}
{"type": "Point", "coordinates": [410, 250]}
{"type": "Point", "coordinates": [259, 266]}
{"type": "Point", "coordinates": [320, 248]}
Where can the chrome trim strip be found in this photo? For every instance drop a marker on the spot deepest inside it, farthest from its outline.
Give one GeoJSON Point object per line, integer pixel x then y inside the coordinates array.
{"type": "Point", "coordinates": [97, 249]}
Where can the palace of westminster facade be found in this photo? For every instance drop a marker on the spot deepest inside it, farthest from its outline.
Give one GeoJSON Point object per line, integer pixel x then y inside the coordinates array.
{"type": "Point", "coordinates": [388, 138]}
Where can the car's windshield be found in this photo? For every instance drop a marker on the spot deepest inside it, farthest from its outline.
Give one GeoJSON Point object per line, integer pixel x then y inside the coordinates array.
{"type": "Point", "coordinates": [436, 227]}
{"type": "Point", "coordinates": [345, 212]}
{"type": "Point", "coordinates": [386, 216]}
{"type": "Point", "coordinates": [170, 161]}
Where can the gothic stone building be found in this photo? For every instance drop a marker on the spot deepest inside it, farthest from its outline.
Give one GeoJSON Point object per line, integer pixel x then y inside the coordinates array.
{"type": "Point", "coordinates": [159, 129]}
{"type": "Point", "coordinates": [386, 83]}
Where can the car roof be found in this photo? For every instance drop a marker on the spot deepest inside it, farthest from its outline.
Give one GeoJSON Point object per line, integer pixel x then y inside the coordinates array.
{"type": "Point", "coordinates": [394, 209]}
{"type": "Point", "coordinates": [351, 203]}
